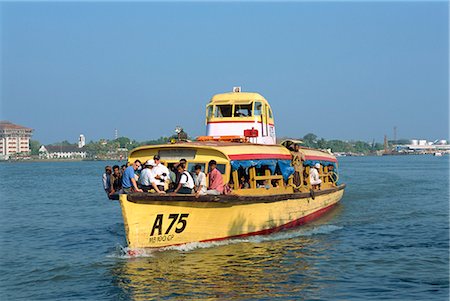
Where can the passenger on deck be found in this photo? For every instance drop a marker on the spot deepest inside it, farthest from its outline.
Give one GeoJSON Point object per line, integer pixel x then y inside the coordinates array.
{"type": "Point", "coordinates": [243, 183]}
{"type": "Point", "coordinates": [129, 183]}
{"type": "Point", "coordinates": [147, 179]}
{"type": "Point", "coordinates": [177, 174]}
{"type": "Point", "coordinates": [115, 180]}
{"type": "Point", "coordinates": [160, 172]}
{"type": "Point", "coordinates": [106, 180]}
{"type": "Point", "coordinates": [332, 174]}
{"type": "Point", "coordinates": [122, 169]}
{"type": "Point", "coordinates": [186, 184]}
{"type": "Point", "coordinates": [314, 178]}
{"type": "Point", "coordinates": [199, 181]}
{"type": "Point", "coordinates": [215, 179]}
{"type": "Point", "coordinates": [297, 162]}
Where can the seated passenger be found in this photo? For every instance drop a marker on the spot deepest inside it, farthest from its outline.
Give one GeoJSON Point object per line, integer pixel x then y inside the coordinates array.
{"type": "Point", "coordinates": [199, 181]}
{"type": "Point", "coordinates": [177, 174]}
{"type": "Point", "coordinates": [314, 178]}
{"type": "Point", "coordinates": [106, 180]}
{"type": "Point", "coordinates": [129, 183]}
{"type": "Point", "coordinates": [115, 180]}
{"type": "Point", "coordinates": [243, 183]}
{"type": "Point", "coordinates": [228, 188]}
{"type": "Point", "coordinates": [147, 180]}
{"type": "Point", "coordinates": [215, 179]}
{"type": "Point", "coordinates": [186, 184]}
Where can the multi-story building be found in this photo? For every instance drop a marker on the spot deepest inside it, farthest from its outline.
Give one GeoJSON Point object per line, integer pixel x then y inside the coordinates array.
{"type": "Point", "coordinates": [14, 139]}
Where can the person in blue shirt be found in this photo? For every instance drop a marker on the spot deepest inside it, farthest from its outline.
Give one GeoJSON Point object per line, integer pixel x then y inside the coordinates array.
{"type": "Point", "coordinates": [129, 183]}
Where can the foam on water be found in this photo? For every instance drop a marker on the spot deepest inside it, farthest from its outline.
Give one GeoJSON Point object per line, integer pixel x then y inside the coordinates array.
{"type": "Point", "coordinates": [125, 252]}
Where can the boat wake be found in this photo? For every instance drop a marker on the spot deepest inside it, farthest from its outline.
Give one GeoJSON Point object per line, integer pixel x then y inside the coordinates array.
{"type": "Point", "coordinates": [125, 252]}
{"type": "Point", "coordinates": [325, 229]}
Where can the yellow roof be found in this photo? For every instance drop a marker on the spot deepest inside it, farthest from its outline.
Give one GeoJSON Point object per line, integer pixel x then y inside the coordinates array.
{"type": "Point", "coordinates": [237, 96]}
{"type": "Point", "coordinates": [241, 151]}
{"type": "Point", "coordinates": [229, 149]}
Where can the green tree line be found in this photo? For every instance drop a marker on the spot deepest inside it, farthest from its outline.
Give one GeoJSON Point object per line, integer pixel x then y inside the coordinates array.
{"type": "Point", "coordinates": [311, 140]}
{"type": "Point", "coordinates": [103, 148]}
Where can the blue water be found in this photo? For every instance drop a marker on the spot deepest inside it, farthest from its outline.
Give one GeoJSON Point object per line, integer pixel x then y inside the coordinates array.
{"type": "Point", "coordinates": [61, 239]}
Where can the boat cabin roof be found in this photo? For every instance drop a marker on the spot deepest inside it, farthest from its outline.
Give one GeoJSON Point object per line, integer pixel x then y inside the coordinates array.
{"type": "Point", "coordinates": [239, 97]}
{"type": "Point", "coordinates": [229, 150]}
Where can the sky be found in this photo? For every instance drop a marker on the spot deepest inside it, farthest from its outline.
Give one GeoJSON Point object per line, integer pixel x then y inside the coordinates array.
{"type": "Point", "coordinates": [340, 70]}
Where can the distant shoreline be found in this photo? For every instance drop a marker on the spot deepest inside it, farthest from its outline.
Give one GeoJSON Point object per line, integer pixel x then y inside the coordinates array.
{"type": "Point", "coordinates": [125, 161]}
{"type": "Point", "coordinates": [58, 160]}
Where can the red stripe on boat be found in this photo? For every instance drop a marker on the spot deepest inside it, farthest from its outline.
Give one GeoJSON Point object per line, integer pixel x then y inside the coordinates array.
{"type": "Point", "coordinates": [293, 224]}
{"type": "Point", "coordinates": [320, 158]}
{"type": "Point", "coordinates": [259, 156]}
{"type": "Point", "coordinates": [237, 121]}
{"type": "Point", "coordinates": [298, 222]}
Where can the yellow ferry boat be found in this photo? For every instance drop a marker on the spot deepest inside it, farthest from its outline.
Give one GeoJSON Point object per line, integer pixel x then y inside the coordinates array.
{"type": "Point", "coordinates": [272, 201]}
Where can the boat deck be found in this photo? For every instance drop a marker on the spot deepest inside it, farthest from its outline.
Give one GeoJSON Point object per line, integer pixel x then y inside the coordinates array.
{"type": "Point", "coordinates": [143, 197]}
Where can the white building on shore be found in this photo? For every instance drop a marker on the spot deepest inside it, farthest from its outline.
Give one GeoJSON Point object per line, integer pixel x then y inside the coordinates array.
{"type": "Point", "coordinates": [61, 152]}
{"type": "Point", "coordinates": [424, 146]}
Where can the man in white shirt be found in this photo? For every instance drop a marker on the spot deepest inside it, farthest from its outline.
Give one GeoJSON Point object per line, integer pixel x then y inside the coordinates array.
{"type": "Point", "coordinates": [160, 172]}
{"type": "Point", "coordinates": [314, 177]}
{"type": "Point", "coordinates": [147, 180]}
{"type": "Point", "coordinates": [199, 181]}
{"type": "Point", "coordinates": [186, 183]}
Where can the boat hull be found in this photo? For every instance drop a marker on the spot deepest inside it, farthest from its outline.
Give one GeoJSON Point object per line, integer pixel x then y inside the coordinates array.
{"type": "Point", "coordinates": [161, 221]}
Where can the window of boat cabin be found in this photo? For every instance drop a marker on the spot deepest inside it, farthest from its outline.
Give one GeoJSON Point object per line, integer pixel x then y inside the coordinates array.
{"type": "Point", "coordinates": [243, 110]}
{"type": "Point", "coordinates": [258, 108]}
{"type": "Point", "coordinates": [262, 177]}
{"type": "Point", "coordinates": [270, 113]}
{"type": "Point", "coordinates": [223, 111]}
{"type": "Point", "coordinates": [191, 167]}
{"type": "Point", "coordinates": [220, 167]}
{"type": "Point", "coordinates": [209, 112]}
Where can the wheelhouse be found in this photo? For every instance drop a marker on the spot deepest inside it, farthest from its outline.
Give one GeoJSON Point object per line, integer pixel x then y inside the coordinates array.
{"type": "Point", "coordinates": [233, 113]}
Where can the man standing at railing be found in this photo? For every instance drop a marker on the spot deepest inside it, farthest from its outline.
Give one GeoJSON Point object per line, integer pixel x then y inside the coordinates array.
{"type": "Point", "coordinates": [215, 179]}
{"type": "Point", "coordinates": [297, 162]}
{"type": "Point", "coordinates": [314, 177]}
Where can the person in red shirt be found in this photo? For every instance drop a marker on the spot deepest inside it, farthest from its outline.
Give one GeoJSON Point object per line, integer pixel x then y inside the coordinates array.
{"type": "Point", "coordinates": [215, 179]}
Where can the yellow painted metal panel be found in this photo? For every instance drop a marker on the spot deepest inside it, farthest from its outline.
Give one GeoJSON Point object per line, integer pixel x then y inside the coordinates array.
{"type": "Point", "coordinates": [170, 223]}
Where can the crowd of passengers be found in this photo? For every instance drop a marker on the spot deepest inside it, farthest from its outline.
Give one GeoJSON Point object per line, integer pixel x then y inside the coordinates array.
{"type": "Point", "coordinates": [153, 175]}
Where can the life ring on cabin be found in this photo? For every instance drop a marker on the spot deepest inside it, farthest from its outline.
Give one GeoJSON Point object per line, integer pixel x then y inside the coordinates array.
{"type": "Point", "coordinates": [335, 178]}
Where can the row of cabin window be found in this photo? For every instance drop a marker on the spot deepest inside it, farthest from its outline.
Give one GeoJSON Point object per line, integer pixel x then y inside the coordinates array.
{"type": "Point", "coordinates": [191, 167]}
{"type": "Point", "coordinates": [263, 171]}
{"type": "Point", "coordinates": [237, 110]}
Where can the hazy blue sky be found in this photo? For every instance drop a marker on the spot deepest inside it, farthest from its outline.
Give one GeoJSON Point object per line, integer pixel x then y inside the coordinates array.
{"type": "Point", "coordinates": [342, 70]}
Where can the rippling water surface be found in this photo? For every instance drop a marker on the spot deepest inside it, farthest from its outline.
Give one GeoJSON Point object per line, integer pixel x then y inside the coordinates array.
{"type": "Point", "coordinates": [61, 239]}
